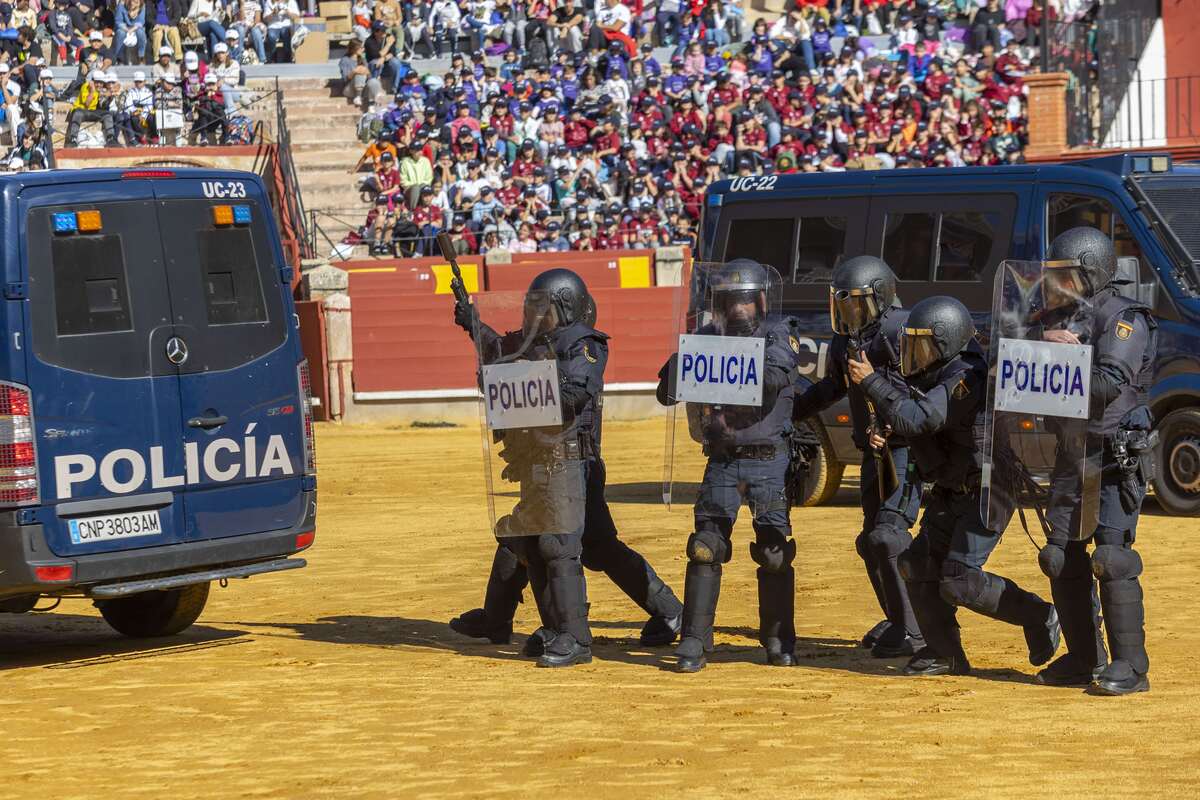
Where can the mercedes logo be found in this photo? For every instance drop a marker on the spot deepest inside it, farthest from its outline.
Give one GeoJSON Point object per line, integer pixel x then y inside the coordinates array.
{"type": "Point", "coordinates": [177, 351]}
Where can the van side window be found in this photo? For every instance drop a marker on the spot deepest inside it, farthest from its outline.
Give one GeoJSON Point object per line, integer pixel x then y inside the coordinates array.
{"type": "Point", "coordinates": [767, 241]}
{"type": "Point", "coordinates": [90, 288]}
{"type": "Point", "coordinates": [232, 289]}
{"type": "Point", "coordinates": [965, 245]}
{"type": "Point", "coordinates": [822, 241]}
{"type": "Point", "coordinates": [1066, 211]}
{"type": "Point", "coordinates": [908, 244]}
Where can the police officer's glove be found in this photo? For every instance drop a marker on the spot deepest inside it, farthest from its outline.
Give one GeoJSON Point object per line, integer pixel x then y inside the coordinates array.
{"type": "Point", "coordinates": [465, 316]}
{"type": "Point", "coordinates": [717, 434]}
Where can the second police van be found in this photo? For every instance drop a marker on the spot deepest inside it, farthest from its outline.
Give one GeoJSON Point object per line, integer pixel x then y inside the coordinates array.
{"type": "Point", "coordinates": [945, 231]}
{"type": "Point", "coordinates": [155, 420]}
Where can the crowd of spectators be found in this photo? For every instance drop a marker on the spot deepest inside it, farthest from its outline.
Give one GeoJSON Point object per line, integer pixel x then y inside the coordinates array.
{"type": "Point", "coordinates": [560, 129]}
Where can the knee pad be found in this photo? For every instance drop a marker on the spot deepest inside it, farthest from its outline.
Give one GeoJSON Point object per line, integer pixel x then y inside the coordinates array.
{"type": "Point", "coordinates": [918, 567]}
{"type": "Point", "coordinates": [553, 547]}
{"type": "Point", "coordinates": [861, 546]}
{"type": "Point", "coordinates": [962, 585]}
{"type": "Point", "coordinates": [1065, 561]}
{"type": "Point", "coordinates": [1052, 559]}
{"type": "Point", "coordinates": [774, 556]}
{"type": "Point", "coordinates": [1111, 562]}
{"type": "Point", "coordinates": [707, 547]}
{"type": "Point", "coordinates": [506, 561]}
{"type": "Point", "coordinates": [888, 541]}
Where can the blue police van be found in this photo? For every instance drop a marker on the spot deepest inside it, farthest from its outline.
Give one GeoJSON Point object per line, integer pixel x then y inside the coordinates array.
{"type": "Point", "coordinates": [155, 418]}
{"type": "Point", "coordinates": [945, 231]}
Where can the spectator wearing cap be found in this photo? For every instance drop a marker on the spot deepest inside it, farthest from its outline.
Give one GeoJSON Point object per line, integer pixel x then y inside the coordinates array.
{"type": "Point", "coordinates": [281, 18]}
{"type": "Point", "coordinates": [416, 173]}
{"type": "Point", "coordinates": [566, 22]}
{"type": "Point", "coordinates": [381, 50]}
{"type": "Point", "coordinates": [358, 85]}
{"type": "Point", "coordinates": [211, 125]}
{"type": "Point", "coordinates": [192, 79]}
{"type": "Point", "coordinates": [206, 14]}
{"type": "Point", "coordinates": [428, 218]}
{"type": "Point", "coordinates": [42, 95]}
{"type": "Point", "coordinates": [229, 76]}
{"type": "Point", "coordinates": [86, 108]}
{"type": "Point", "coordinates": [163, 18]}
{"type": "Point", "coordinates": [164, 66]}
{"type": "Point", "coordinates": [131, 30]}
{"type": "Point", "coordinates": [136, 119]}
{"type": "Point", "coordinates": [168, 109]}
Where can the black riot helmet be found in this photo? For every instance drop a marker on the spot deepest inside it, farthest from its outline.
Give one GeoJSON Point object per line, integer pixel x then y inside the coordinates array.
{"type": "Point", "coordinates": [739, 296]}
{"type": "Point", "coordinates": [862, 288]}
{"type": "Point", "coordinates": [1081, 263]}
{"type": "Point", "coordinates": [937, 329]}
{"type": "Point", "coordinates": [556, 298]}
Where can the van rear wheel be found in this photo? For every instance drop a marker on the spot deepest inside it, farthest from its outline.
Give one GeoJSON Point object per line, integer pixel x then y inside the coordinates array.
{"type": "Point", "coordinates": [824, 472]}
{"type": "Point", "coordinates": [151, 614]}
{"type": "Point", "coordinates": [1177, 481]}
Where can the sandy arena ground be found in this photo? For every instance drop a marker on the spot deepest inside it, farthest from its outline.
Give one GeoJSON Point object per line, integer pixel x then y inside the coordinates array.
{"type": "Point", "coordinates": [343, 679]}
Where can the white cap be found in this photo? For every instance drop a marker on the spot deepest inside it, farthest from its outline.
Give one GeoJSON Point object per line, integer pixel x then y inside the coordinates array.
{"type": "Point", "coordinates": [96, 36]}
{"type": "Point", "coordinates": [210, 78]}
{"type": "Point", "coordinates": [165, 50]}
{"type": "Point", "coordinates": [171, 77]}
{"type": "Point", "coordinates": [220, 47]}
{"type": "Point", "coordinates": [3, 66]}
{"type": "Point", "coordinates": [232, 34]}
{"type": "Point", "coordinates": [190, 58]}
{"type": "Point", "coordinates": [139, 76]}
{"type": "Point", "coordinates": [46, 74]}
{"type": "Point", "coordinates": [16, 162]}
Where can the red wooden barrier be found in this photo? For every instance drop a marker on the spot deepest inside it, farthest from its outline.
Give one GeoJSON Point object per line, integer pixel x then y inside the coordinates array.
{"type": "Point", "coordinates": [312, 341]}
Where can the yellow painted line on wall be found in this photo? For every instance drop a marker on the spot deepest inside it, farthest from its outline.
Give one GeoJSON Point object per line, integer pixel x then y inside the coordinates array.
{"type": "Point", "coordinates": [371, 269]}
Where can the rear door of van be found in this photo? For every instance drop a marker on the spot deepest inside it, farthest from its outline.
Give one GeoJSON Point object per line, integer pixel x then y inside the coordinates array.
{"type": "Point", "coordinates": [239, 384]}
{"type": "Point", "coordinates": [105, 397]}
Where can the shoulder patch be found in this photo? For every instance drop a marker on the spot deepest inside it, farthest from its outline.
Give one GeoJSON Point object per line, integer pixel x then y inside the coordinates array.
{"type": "Point", "coordinates": [1124, 329]}
{"type": "Point", "coordinates": [962, 390]}
{"type": "Point", "coordinates": [588, 354]}
{"type": "Point", "coordinates": [794, 343]}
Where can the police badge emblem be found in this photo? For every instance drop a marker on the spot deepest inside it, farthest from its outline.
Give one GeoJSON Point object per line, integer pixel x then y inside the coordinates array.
{"type": "Point", "coordinates": [1124, 330]}
{"type": "Point", "coordinates": [588, 354]}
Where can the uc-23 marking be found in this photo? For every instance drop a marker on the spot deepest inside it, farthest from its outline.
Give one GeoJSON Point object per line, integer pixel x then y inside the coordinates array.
{"type": "Point", "coordinates": [223, 189]}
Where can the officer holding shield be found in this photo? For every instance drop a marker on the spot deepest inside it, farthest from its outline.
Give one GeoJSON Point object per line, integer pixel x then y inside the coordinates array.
{"type": "Point", "coordinates": [941, 416]}
{"type": "Point", "coordinates": [1083, 307]}
{"type": "Point", "coordinates": [560, 299]}
{"type": "Point", "coordinates": [866, 322]}
{"type": "Point", "coordinates": [747, 461]}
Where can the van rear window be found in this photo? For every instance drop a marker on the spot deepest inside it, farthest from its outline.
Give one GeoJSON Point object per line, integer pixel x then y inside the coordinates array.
{"type": "Point", "coordinates": [232, 288]}
{"type": "Point", "coordinates": [90, 285]}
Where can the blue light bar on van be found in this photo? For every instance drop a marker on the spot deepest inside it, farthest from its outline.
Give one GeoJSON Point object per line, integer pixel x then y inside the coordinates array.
{"type": "Point", "coordinates": [241, 215]}
{"type": "Point", "coordinates": [64, 222]}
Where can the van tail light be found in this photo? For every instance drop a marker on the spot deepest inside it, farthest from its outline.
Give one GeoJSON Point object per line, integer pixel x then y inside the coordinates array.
{"type": "Point", "coordinates": [310, 450]}
{"type": "Point", "coordinates": [18, 462]}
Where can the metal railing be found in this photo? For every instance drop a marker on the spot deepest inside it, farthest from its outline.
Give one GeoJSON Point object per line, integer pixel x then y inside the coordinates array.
{"type": "Point", "coordinates": [292, 202]}
{"type": "Point", "coordinates": [1152, 112]}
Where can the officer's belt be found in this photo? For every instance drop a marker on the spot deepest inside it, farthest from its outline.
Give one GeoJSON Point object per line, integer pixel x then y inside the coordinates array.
{"type": "Point", "coordinates": [581, 448]}
{"type": "Point", "coordinates": [755, 452]}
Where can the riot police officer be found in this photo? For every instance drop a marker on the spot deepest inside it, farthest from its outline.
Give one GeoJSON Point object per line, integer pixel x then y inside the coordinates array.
{"type": "Point", "coordinates": [866, 320]}
{"type": "Point", "coordinates": [1084, 307]}
{"type": "Point", "coordinates": [940, 417]}
{"type": "Point", "coordinates": [748, 458]}
{"type": "Point", "coordinates": [583, 353]}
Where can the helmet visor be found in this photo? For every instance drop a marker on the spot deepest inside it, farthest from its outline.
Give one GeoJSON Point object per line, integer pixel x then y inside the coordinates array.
{"type": "Point", "coordinates": [540, 316]}
{"type": "Point", "coordinates": [1064, 284]}
{"type": "Point", "coordinates": [918, 351]}
{"type": "Point", "coordinates": [851, 310]}
{"type": "Point", "coordinates": [738, 312]}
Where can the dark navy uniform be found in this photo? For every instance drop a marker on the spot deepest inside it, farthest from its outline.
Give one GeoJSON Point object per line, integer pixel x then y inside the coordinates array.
{"type": "Point", "coordinates": [582, 354]}
{"type": "Point", "coordinates": [942, 419]}
{"type": "Point", "coordinates": [1124, 338]}
{"type": "Point", "coordinates": [748, 456]}
{"type": "Point", "coordinates": [885, 531]}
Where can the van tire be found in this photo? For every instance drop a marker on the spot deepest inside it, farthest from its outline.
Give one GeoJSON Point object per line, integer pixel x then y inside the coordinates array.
{"type": "Point", "coordinates": [1177, 463]}
{"type": "Point", "coordinates": [824, 472]}
{"type": "Point", "coordinates": [150, 614]}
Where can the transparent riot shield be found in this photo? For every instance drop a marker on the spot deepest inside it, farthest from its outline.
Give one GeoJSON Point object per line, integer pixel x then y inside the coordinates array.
{"type": "Point", "coordinates": [533, 463]}
{"type": "Point", "coordinates": [718, 406]}
{"type": "Point", "coordinates": [1039, 456]}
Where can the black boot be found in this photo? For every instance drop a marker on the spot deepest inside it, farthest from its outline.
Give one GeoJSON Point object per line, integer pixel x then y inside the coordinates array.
{"type": "Point", "coordinates": [928, 663]}
{"type": "Point", "coordinates": [568, 591]}
{"type": "Point", "coordinates": [1014, 605]}
{"type": "Point", "coordinates": [478, 625]}
{"type": "Point", "coordinates": [659, 631]}
{"type": "Point", "coordinates": [701, 588]}
{"type": "Point", "coordinates": [1079, 615]}
{"type": "Point", "coordinates": [871, 637]}
{"type": "Point", "coordinates": [1124, 620]}
{"type": "Point", "coordinates": [776, 615]}
{"type": "Point", "coordinates": [535, 646]}
{"type": "Point", "coordinates": [896, 643]}
{"type": "Point", "coordinates": [939, 624]}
